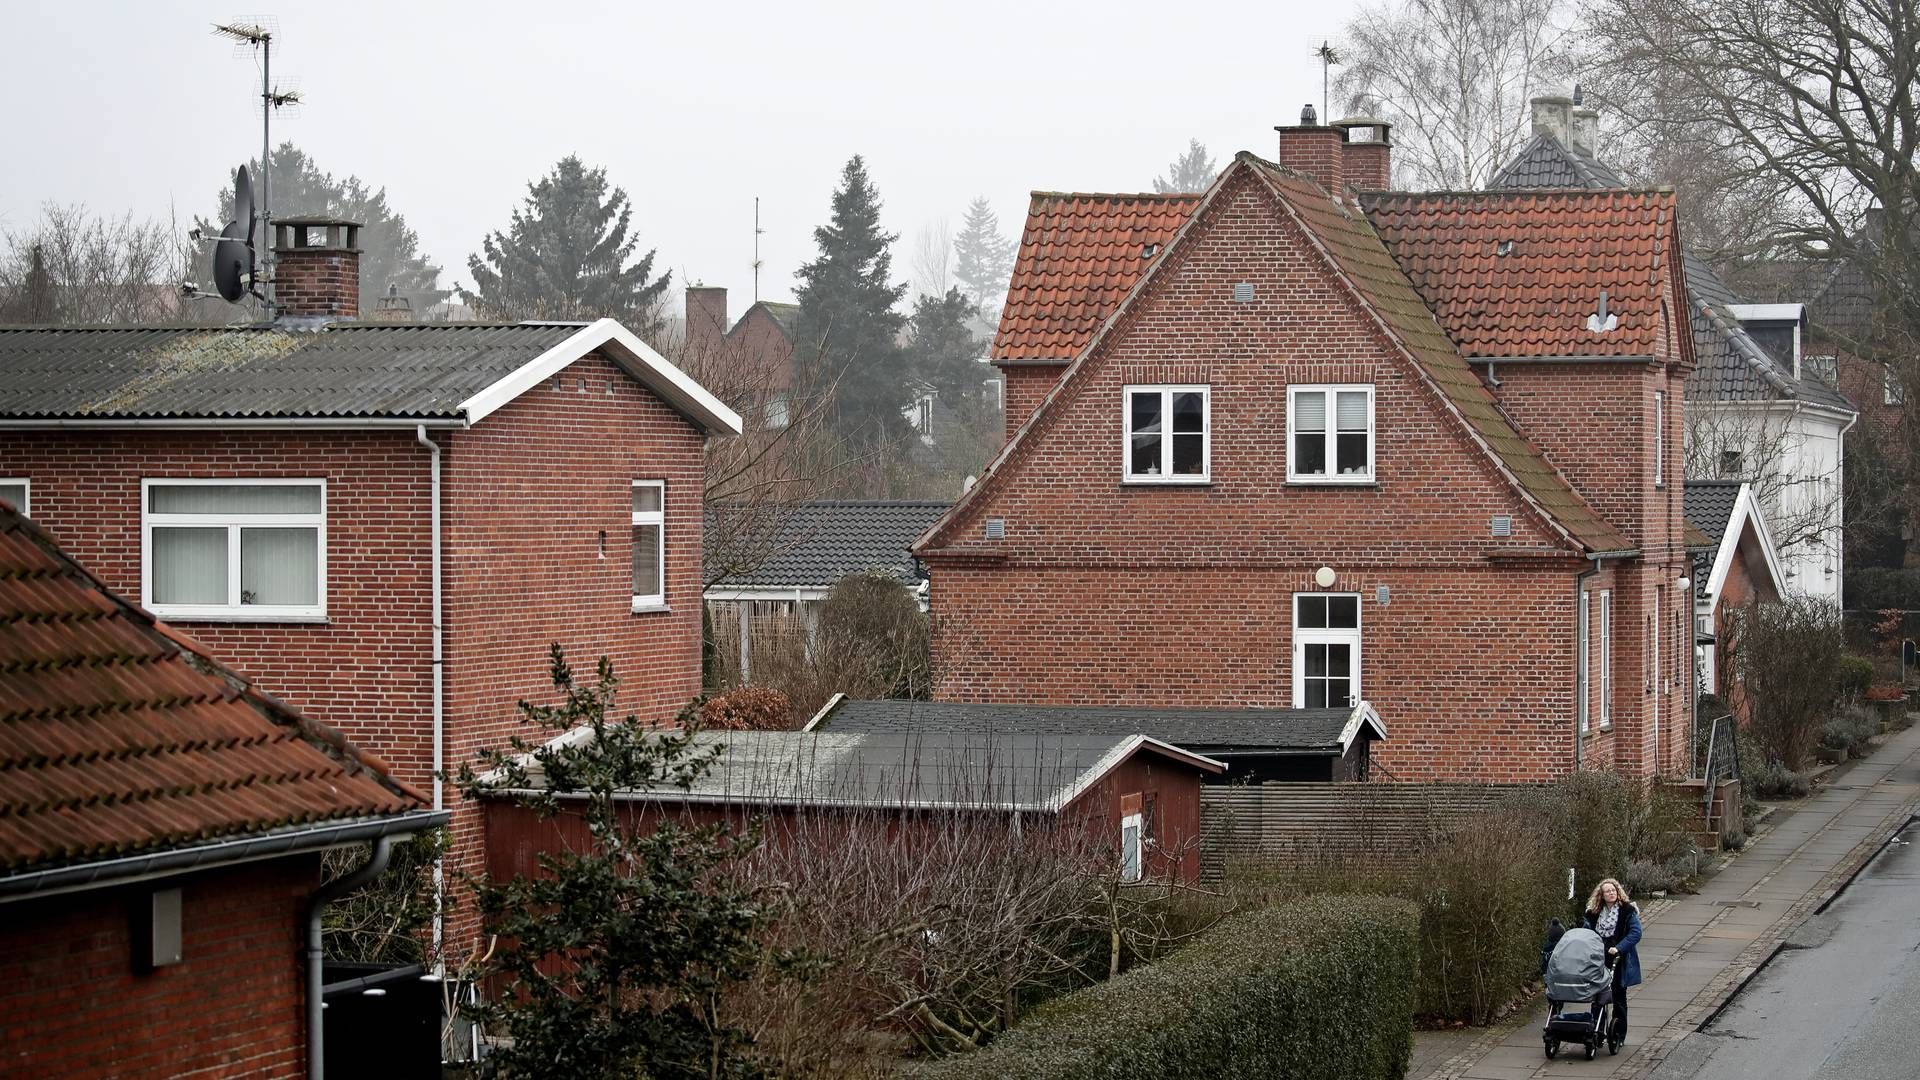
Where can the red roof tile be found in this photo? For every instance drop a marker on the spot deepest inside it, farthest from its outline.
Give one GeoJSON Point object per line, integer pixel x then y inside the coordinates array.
{"type": "Point", "coordinates": [1079, 254]}
{"type": "Point", "coordinates": [1562, 248]}
{"type": "Point", "coordinates": [118, 735]}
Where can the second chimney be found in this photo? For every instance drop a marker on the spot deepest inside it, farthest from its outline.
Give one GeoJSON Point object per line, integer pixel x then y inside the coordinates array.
{"type": "Point", "coordinates": [706, 319]}
{"type": "Point", "coordinates": [316, 271]}
{"type": "Point", "coordinates": [1368, 155]}
{"type": "Point", "coordinates": [1315, 151]}
{"type": "Point", "coordinates": [1553, 115]}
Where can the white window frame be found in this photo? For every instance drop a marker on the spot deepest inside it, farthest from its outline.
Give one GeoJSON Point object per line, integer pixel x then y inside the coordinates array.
{"type": "Point", "coordinates": [1317, 636]}
{"type": "Point", "coordinates": [657, 601]}
{"type": "Point", "coordinates": [1166, 474]}
{"type": "Point", "coordinates": [1583, 678]}
{"type": "Point", "coordinates": [26, 488]}
{"type": "Point", "coordinates": [233, 523]}
{"type": "Point", "coordinates": [1133, 848]}
{"type": "Point", "coordinates": [1659, 658]}
{"type": "Point", "coordinates": [1606, 659]}
{"type": "Point", "coordinates": [1893, 393]}
{"type": "Point", "coordinates": [1331, 476]}
{"type": "Point", "coordinates": [1659, 438]}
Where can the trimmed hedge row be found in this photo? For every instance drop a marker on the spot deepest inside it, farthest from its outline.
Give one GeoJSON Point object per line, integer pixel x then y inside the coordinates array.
{"type": "Point", "coordinates": [1321, 988]}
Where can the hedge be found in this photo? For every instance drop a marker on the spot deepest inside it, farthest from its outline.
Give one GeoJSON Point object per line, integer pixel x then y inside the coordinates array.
{"type": "Point", "coordinates": [1320, 988]}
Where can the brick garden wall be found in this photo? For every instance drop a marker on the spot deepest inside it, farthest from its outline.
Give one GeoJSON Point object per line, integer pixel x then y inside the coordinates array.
{"type": "Point", "coordinates": [71, 1004]}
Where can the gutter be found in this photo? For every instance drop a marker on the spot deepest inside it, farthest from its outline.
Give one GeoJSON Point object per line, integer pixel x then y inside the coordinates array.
{"type": "Point", "coordinates": [216, 855]}
{"type": "Point", "coordinates": [316, 989]}
{"type": "Point", "coordinates": [439, 689]}
{"type": "Point", "coordinates": [268, 423]}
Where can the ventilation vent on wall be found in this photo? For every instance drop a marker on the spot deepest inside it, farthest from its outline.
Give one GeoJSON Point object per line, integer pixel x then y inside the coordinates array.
{"type": "Point", "coordinates": [1502, 525]}
{"type": "Point", "coordinates": [996, 528]}
{"type": "Point", "coordinates": [1243, 292]}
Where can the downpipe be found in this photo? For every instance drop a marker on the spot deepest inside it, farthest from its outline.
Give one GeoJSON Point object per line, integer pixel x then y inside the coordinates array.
{"type": "Point", "coordinates": [439, 693]}
{"type": "Point", "coordinates": [316, 1001]}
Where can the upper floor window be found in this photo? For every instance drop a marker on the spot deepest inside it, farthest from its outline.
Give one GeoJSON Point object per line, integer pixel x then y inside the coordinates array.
{"type": "Point", "coordinates": [1169, 437]}
{"type": "Point", "coordinates": [649, 544]}
{"type": "Point", "coordinates": [1606, 658]}
{"type": "Point", "coordinates": [1330, 434]}
{"type": "Point", "coordinates": [234, 549]}
{"type": "Point", "coordinates": [17, 490]}
{"type": "Point", "coordinates": [1659, 438]}
{"type": "Point", "coordinates": [1326, 650]}
{"type": "Point", "coordinates": [1894, 392]}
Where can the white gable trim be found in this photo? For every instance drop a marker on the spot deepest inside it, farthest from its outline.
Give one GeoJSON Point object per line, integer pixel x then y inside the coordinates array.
{"type": "Point", "coordinates": [1746, 509]}
{"type": "Point", "coordinates": [636, 357]}
{"type": "Point", "coordinates": [1363, 714]}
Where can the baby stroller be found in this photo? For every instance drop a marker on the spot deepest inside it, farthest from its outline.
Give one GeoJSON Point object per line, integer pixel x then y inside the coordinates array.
{"type": "Point", "coordinates": [1580, 975]}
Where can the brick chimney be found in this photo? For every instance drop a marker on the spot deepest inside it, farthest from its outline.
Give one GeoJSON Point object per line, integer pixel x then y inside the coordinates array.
{"type": "Point", "coordinates": [1368, 160]}
{"type": "Point", "coordinates": [316, 270]}
{"type": "Point", "coordinates": [1315, 151]}
{"type": "Point", "coordinates": [706, 319]}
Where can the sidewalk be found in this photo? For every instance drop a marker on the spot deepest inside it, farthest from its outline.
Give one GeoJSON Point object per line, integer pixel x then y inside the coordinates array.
{"type": "Point", "coordinates": [1696, 950]}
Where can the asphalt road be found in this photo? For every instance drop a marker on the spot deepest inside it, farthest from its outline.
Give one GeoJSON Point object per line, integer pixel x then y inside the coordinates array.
{"type": "Point", "coordinates": [1842, 998]}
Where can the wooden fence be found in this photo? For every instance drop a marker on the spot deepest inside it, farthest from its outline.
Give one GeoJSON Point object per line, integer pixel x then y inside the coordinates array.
{"type": "Point", "coordinates": [1302, 823]}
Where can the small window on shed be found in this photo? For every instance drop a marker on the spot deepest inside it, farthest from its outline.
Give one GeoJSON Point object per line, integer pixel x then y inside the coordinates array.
{"type": "Point", "coordinates": [1132, 847]}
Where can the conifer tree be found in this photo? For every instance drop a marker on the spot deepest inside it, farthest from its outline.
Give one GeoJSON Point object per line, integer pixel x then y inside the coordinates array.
{"type": "Point", "coordinates": [568, 254]}
{"type": "Point", "coordinates": [983, 257]}
{"type": "Point", "coordinates": [846, 336]}
{"type": "Point", "coordinates": [1191, 171]}
{"type": "Point", "coordinates": [390, 250]}
{"type": "Point", "coordinates": [943, 350]}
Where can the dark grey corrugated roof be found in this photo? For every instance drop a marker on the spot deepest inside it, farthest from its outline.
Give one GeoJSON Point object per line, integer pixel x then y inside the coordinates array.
{"type": "Point", "coordinates": [1545, 162]}
{"type": "Point", "coordinates": [1035, 772]}
{"type": "Point", "coordinates": [1730, 365]}
{"type": "Point", "coordinates": [1205, 731]}
{"type": "Point", "coordinates": [823, 542]}
{"type": "Point", "coordinates": [345, 370]}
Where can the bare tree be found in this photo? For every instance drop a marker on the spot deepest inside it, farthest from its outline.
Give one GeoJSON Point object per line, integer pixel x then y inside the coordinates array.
{"type": "Point", "coordinates": [1809, 111]}
{"type": "Point", "coordinates": [1454, 77]}
{"type": "Point", "coordinates": [933, 258]}
{"type": "Point", "coordinates": [74, 267]}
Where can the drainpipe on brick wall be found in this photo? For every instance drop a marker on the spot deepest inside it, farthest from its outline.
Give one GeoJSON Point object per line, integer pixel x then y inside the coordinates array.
{"type": "Point", "coordinates": [316, 998]}
{"type": "Point", "coordinates": [439, 696]}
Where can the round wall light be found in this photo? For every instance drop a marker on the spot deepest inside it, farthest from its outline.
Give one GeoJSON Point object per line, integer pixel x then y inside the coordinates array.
{"type": "Point", "coordinates": [1325, 577]}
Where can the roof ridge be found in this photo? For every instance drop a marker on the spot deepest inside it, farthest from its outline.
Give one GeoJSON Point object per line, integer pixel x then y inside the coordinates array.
{"type": "Point", "coordinates": [1166, 195]}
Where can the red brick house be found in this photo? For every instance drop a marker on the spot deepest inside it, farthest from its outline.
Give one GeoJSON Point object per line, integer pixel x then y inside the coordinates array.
{"type": "Point", "coordinates": [383, 524]}
{"type": "Point", "coordinates": [161, 828]}
{"type": "Point", "coordinates": [1738, 568]}
{"type": "Point", "coordinates": [1297, 442]}
{"type": "Point", "coordinates": [756, 353]}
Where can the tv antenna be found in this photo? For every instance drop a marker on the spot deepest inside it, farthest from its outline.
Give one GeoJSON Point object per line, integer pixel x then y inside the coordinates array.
{"type": "Point", "coordinates": [1328, 58]}
{"type": "Point", "coordinates": [757, 231]}
{"type": "Point", "coordinates": [249, 35]}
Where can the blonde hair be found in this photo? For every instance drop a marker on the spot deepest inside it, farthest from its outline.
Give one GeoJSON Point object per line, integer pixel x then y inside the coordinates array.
{"type": "Point", "coordinates": [1594, 903]}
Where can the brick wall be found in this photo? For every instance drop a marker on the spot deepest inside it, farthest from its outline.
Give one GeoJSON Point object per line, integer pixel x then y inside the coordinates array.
{"type": "Point", "coordinates": [1027, 384]}
{"type": "Point", "coordinates": [1108, 593]}
{"type": "Point", "coordinates": [71, 1004]}
{"type": "Point", "coordinates": [529, 492]}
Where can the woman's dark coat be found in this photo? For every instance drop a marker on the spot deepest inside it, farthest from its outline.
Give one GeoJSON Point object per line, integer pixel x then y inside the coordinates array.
{"type": "Point", "coordinates": [1625, 937]}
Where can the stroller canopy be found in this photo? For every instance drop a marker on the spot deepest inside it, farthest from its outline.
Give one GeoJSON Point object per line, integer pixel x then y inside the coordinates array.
{"type": "Point", "coordinates": [1577, 970]}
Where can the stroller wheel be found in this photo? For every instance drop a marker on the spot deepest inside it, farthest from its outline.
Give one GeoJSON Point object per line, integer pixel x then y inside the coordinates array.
{"type": "Point", "coordinates": [1613, 1046]}
{"type": "Point", "coordinates": [1591, 1050]}
{"type": "Point", "coordinates": [1553, 1048]}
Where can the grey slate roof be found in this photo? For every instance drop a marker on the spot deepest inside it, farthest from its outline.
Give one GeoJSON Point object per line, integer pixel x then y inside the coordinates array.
{"type": "Point", "coordinates": [344, 370]}
{"type": "Point", "coordinates": [1730, 364]}
{"type": "Point", "coordinates": [1205, 731]}
{"type": "Point", "coordinates": [1709, 506]}
{"type": "Point", "coordinates": [825, 541]}
{"type": "Point", "coordinates": [1546, 162]}
{"type": "Point", "coordinates": [904, 770]}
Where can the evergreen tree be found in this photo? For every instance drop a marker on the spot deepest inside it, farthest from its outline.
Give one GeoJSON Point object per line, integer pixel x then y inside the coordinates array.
{"type": "Point", "coordinates": [568, 255]}
{"type": "Point", "coordinates": [846, 337]}
{"type": "Point", "coordinates": [983, 258]}
{"type": "Point", "coordinates": [943, 351]}
{"type": "Point", "coordinates": [33, 304]}
{"type": "Point", "coordinates": [390, 250]}
{"type": "Point", "coordinates": [1191, 171]}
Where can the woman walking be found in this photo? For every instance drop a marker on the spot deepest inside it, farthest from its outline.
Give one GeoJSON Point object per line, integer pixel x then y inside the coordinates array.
{"type": "Point", "coordinates": [1611, 914]}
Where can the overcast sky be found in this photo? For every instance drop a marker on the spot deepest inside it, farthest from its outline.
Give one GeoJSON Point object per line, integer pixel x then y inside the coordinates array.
{"type": "Point", "coordinates": [694, 108]}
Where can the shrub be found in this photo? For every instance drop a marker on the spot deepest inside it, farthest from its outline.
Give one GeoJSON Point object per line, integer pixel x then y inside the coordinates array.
{"type": "Point", "coordinates": [1776, 781]}
{"type": "Point", "coordinates": [750, 708]}
{"type": "Point", "coordinates": [1855, 675]}
{"type": "Point", "coordinates": [1851, 731]}
{"type": "Point", "coordinates": [1789, 661]}
{"type": "Point", "coordinates": [1319, 989]}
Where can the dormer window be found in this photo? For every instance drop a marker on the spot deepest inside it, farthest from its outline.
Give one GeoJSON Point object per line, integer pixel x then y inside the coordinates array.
{"type": "Point", "coordinates": [1330, 434]}
{"type": "Point", "coordinates": [1169, 435]}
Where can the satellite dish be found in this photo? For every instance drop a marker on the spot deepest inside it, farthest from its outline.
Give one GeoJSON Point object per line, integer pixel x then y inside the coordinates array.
{"type": "Point", "coordinates": [232, 263]}
{"type": "Point", "coordinates": [233, 253]}
{"type": "Point", "coordinates": [243, 202]}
